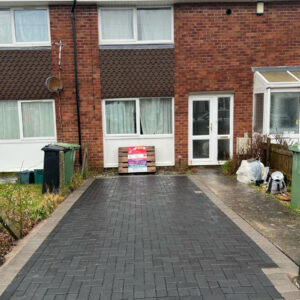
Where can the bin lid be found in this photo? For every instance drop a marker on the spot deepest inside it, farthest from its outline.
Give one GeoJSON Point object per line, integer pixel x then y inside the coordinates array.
{"type": "Point", "coordinates": [24, 172]}
{"type": "Point", "coordinates": [295, 148]}
{"type": "Point", "coordinates": [54, 148]}
{"type": "Point", "coordinates": [67, 145]}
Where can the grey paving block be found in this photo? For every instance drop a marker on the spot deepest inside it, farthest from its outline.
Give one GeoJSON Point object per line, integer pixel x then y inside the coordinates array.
{"type": "Point", "coordinates": [145, 237]}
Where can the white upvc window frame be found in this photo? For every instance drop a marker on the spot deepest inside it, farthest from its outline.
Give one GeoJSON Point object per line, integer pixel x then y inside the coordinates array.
{"type": "Point", "coordinates": [135, 28]}
{"type": "Point", "coordinates": [137, 119]}
{"type": "Point", "coordinates": [27, 139]}
{"type": "Point", "coordinates": [284, 135]}
{"type": "Point", "coordinates": [137, 115]}
{"type": "Point", "coordinates": [264, 109]}
{"type": "Point", "coordinates": [26, 44]}
{"type": "Point", "coordinates": [267, 110]}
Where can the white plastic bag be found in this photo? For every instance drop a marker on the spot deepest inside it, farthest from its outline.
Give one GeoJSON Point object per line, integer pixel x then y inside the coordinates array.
{"type": "Point", "coordinates": [265, 173]}
{"type": "Point", "coordinates": [250, 171]}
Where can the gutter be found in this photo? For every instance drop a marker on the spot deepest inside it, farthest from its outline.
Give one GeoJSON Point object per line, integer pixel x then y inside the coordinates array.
{"type": "Point", "coordinates": [17, 3]}
{"type": "Point", "coordinates": [76, 79]}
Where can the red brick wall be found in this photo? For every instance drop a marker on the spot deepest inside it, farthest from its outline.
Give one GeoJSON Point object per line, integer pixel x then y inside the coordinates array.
{"type": "Point", "coordinates": [88, 77]}
{"type": "Point", "coordinates": [215, 52]}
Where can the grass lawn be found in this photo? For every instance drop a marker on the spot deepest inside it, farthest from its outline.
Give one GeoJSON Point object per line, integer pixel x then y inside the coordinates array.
{"type": "Point", "coordinates": [285, 203]}
{"type": "Point", "coordinates": [9, 205]}
{"type": "Point", "coordinates": [33, 192]}
{"type": "Point", "coordinates": [22, 206]}
{"type": "Point", "coordinates": [27, 201]}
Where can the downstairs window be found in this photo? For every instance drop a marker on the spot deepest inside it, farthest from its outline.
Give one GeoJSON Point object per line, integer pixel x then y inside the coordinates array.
{"type": "Point", "coordinates": [284, 113]}
{"type": "Point", "coordinates": [146, 116]}
{"type": "Point", "coordinates": [277, 102]}
{"type": "Point", "coordinates": [27, 119]}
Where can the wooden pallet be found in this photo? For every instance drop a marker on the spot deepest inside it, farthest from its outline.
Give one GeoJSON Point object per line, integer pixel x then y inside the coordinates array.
{"type": "Point", "coordinates": [123, 160]}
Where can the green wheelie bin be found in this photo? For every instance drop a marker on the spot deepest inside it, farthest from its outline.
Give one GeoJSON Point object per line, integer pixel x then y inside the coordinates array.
{"type": "Point", "coordinates": [69, 160]}
{"type": "Point", "coordinates": [295, 202]}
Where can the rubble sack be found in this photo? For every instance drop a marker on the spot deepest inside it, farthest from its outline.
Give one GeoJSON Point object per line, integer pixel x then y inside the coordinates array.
{"type": "Point", "coordinates": [251, 171]}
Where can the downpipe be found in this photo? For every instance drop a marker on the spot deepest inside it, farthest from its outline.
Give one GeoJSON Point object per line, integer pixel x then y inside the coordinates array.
{"type": "Point", "coordinates": [76, 79]}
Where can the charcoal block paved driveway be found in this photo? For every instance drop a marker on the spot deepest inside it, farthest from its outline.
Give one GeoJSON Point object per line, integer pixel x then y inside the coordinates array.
{"type": "Point", "coordinates": [145, 237]}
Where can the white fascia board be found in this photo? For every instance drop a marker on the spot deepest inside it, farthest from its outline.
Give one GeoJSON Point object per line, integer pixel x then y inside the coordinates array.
{"type": "Point", "coordinates": [33, 3]}
{"type": "Point", "coordinates": [22, 3]}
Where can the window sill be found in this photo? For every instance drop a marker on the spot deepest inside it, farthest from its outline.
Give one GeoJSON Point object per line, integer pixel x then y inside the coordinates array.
{"type": "Point", "coordinates": [28, 141]}
{"type": "Point", "coordinates": [140, 137]}
{"type": "Point", "coordinates": [26, 47]}
{"type": "Point", "coordinates": [136, 46]}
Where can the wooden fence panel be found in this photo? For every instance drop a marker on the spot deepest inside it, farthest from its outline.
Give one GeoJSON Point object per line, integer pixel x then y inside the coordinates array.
{"type": "Point", "coordinates": [123, 160]}
{"type": "Point", "coordinates": [280, 158]}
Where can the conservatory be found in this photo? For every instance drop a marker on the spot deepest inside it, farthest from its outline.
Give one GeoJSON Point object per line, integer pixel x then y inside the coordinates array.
{"type": "Point", "coordinates": [276, 100]}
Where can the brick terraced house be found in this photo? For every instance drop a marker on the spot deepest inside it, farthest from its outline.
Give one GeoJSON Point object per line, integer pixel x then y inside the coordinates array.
{"type": "Point", "coordinates": [188, 77]}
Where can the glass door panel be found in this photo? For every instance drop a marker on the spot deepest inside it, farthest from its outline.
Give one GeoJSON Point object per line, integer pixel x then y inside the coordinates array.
{"type": "Point", "coordinates": [201, 149]}
{"type": "Point", "coordinates": [223, 115]}
{"type": "Point", "coordinates": [223, 135]}
{"type": "Point", "coordinates": [201, 117]}
{"type": "Point", "coordinates": [223, 149]}
{"type": "Point", "coordinates": [201, 129]}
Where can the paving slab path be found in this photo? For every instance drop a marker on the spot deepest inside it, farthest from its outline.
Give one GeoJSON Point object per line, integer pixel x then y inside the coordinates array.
{"type": "Point", "coordinates": [145, 237]}
{"type": "Point", "coordinates": [267, 215]}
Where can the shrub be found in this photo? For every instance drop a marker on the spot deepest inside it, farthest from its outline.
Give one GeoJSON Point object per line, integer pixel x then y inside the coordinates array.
{"type": "Point", "coordinates": [46, 207]}
{"type": "Point", "coordinates": [256, 150]}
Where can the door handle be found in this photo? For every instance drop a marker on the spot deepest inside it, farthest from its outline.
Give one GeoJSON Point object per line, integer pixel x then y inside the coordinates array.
{"type": "Point", "coordinates": [210, 126]}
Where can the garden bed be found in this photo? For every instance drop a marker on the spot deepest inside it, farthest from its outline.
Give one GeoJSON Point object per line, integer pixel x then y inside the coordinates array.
{"type": "Point", "coordinates": [23, 206]}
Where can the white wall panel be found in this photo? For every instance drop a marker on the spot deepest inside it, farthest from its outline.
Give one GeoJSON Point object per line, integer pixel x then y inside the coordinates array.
{"type": "Point", "coordinates": [164, 149]}
{"type": "Point", "coordinates": [14, 154]}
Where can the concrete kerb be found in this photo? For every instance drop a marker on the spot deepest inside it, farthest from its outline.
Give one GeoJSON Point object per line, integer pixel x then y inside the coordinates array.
{"type": "Point", "coordinates": [25, 248]}
{"type": "Point", "coordinates": [280, 277]}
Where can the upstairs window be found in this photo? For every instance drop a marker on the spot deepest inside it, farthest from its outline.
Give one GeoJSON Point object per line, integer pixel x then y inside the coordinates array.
{"type": "Point", "coordinates": [117, 24]}
{"type": "Point", "coordinates": [136, 25]}
{"type": "Point", "coordinates": [19, 27]}
{"type": "Point", "coordinates": [5, 27]}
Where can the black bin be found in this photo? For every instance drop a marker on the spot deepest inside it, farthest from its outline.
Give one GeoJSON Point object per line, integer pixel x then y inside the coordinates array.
{"type": "Point", "coordinates": [51, 168]}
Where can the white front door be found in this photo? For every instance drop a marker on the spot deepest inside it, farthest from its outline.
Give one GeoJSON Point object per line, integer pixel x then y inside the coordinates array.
{"type": "Point", "coordinates": [210, 129]}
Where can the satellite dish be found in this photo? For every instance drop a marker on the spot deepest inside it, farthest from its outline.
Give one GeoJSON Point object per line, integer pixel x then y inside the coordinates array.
{"type": "Point", "coordinates": [54, 84]}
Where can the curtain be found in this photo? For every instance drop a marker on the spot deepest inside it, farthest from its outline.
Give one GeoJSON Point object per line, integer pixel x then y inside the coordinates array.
{"type": "Point", "coordinates": [31, 25]}
{"type": "Point", "coordinates": [120, 117]}
{"type": "Point", "coordinates": [154, 24]}
{"type": "Point", "coordinates": [117, 24]}
{"type": "Point", "coordinates": [9, 120]}
{"type": "Point", "coordinates": [38, 120]}
{"type": "Point", "coordinates": [5, 27]}
{"type": "Point", "coordinates": [156, 115]}
{"type": "Point", "coordinates": [284, 116]}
